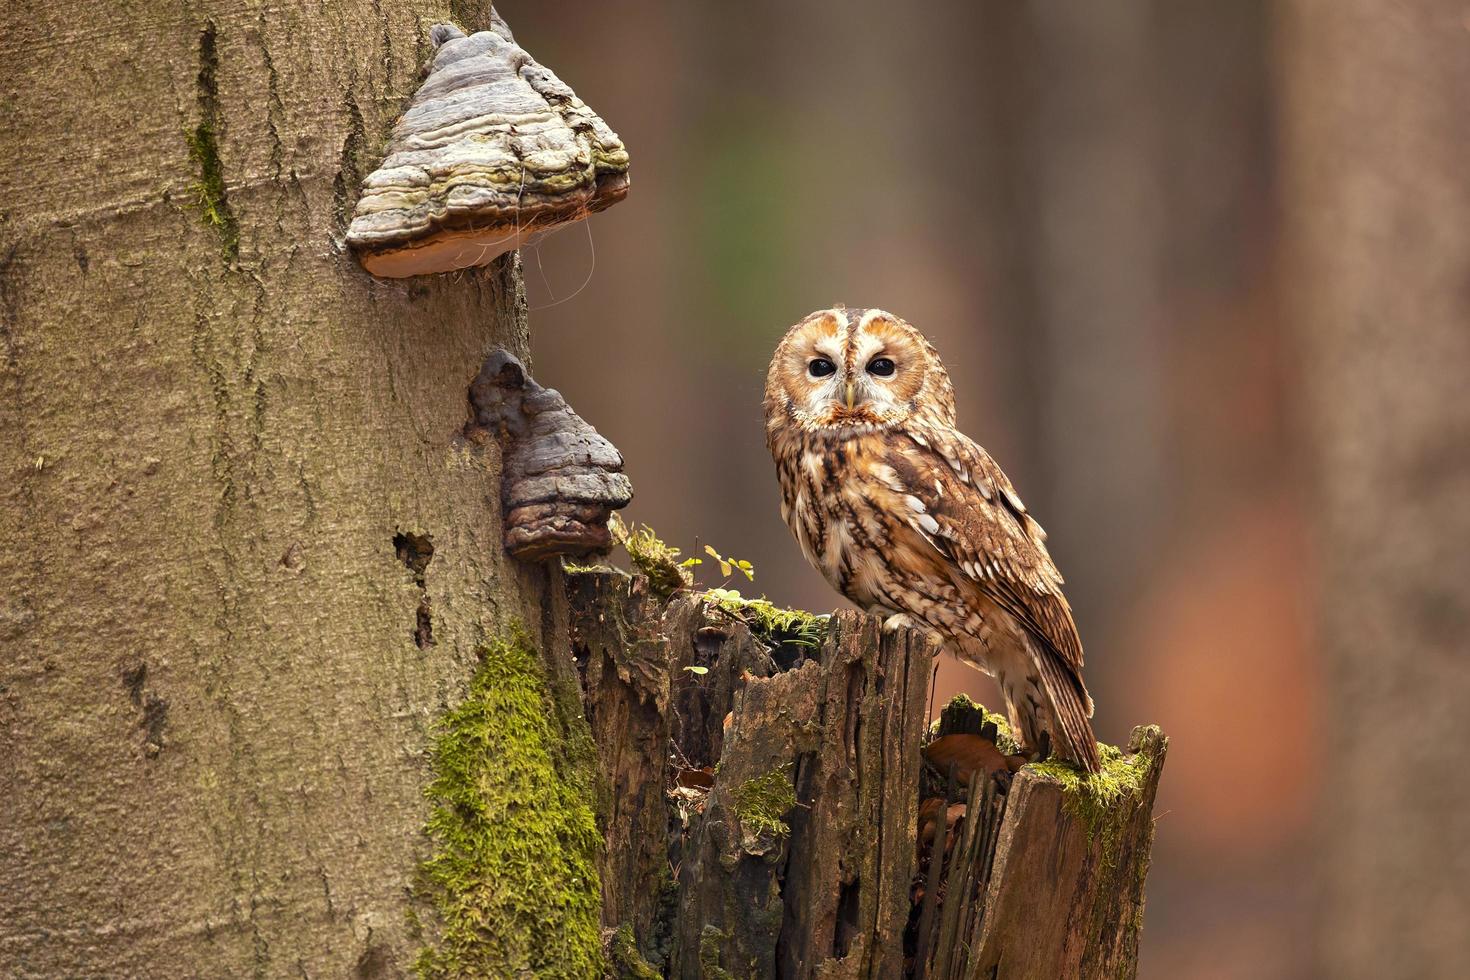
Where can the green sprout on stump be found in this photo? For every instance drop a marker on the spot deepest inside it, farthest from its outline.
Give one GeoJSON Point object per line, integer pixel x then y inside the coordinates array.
{"type": "Point", "coordinates": [668, 572]}
{"type": "Point", "coordinates": [728, 566]}
{"type": "Point", "coordinates": [658, 562]}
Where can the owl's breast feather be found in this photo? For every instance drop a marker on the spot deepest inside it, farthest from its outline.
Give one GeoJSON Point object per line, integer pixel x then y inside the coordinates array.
{"type": "Point", "coordinates": [842, 501]}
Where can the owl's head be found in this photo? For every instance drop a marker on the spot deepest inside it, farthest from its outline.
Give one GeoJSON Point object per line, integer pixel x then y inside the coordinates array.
{"type": "Point", "coordinates": [842, 370]}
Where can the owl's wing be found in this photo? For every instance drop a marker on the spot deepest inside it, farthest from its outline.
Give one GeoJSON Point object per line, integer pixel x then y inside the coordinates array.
{"type": "Point", "coordinates": [967, 507]}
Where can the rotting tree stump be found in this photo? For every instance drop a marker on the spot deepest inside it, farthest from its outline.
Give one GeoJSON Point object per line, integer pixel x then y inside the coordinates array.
{"type": "Point", "coordinates": [761, 804]}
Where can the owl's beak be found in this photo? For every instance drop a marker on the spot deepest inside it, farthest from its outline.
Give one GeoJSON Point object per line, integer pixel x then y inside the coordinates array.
{"type": "Point", "coordinates": [849, 396]}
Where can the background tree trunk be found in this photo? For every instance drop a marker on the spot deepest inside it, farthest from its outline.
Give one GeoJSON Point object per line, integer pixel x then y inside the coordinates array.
{"type": "Point", "coordinates": [248, 558]}
{"type": "Point", "coordinates": [1378, 196]}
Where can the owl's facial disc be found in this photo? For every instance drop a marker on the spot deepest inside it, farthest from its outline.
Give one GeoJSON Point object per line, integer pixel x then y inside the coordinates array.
{"type": "Point", "coordinates": [864, 370]}
{"type": "Point", "coordinates": [843, 369]}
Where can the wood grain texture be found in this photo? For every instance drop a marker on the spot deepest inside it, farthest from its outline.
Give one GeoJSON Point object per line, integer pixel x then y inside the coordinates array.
{"type": "Point", "coordinates": [761, 815]}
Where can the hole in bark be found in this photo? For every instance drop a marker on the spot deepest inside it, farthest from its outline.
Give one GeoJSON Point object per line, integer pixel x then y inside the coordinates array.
{"type": "Point", "coordinates": [423, 630]}
{"type": "Point", "coordinates": [133, 678]}
{"type": "Point", "coordinates": [787, 655]}
{"type": "Point", "coordinates": [416, 551]}
{"type": "Point", "coordinates": [155, 717]}
{"type": "Point", "coordinates": [155, 708]}
{"type": "Point", "coordinates": [847, 917]}
{"type": "Point", "coordinates": [582, 657]}
{"type": "Point", "coordinates": [374, 964]}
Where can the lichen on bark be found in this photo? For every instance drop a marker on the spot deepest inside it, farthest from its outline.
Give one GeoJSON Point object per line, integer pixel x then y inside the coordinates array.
{"type": "Point", "coordinates": [513, 875]}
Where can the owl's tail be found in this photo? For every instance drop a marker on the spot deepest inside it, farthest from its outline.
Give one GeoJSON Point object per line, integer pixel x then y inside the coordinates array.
{"type": "Point", "coordinates": [1071, 734]}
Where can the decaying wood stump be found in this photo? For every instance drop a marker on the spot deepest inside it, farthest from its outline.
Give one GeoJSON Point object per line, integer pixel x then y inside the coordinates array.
{"type": "Point", "coordinates": [1047, 879]}
{"type": "Point", "coordinates": [764, 778]}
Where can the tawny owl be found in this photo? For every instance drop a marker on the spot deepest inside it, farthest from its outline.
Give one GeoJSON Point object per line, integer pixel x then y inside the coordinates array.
{"type": "Point", "coordinates": [908, 518]}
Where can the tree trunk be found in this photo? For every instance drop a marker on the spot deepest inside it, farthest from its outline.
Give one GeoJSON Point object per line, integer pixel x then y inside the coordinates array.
{"type": "Point", "coordinates": [249, 560]}
{"type": "Point", "coordinates": [765, 789]}
{"type": "Point", "coordinates": [1378, 208]}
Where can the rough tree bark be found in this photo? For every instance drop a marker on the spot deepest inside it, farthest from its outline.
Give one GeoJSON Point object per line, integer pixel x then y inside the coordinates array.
{"type": "Point", "coordinates": [248, 559]}
{"type": "Point", "coordinates": [1378, 211]}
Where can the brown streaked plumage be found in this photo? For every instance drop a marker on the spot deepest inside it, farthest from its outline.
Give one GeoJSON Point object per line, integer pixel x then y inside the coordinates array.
{"type": "Point", "coordinates": [908, 518]}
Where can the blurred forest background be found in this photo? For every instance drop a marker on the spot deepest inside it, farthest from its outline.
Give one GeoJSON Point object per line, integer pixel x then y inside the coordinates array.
{"type": "Point", "coordinates": [1084, 206]}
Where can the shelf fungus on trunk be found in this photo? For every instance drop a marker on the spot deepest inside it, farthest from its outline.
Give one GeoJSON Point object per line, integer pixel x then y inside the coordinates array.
{"type": "Point", "coordinates": [492, 149]}
{"type": "Point", "coordinates": [561, 481]}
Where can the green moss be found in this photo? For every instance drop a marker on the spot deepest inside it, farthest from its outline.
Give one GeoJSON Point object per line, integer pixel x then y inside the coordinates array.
{"type": "Point", "coordinates": [658, 562]}
{"type": "Point", "coordinates": [1093, 798]}
{"type": "Point", "coordinates": [572, 568]}
{"type": "Point", "coordinates": [513, 875]}
{"type": "Point", "coordinates": [770, 622]}
{"type": "Point", "coordinates": [626, 962]}
{"type": "Point", "coordinates": [211, 199]}
{"type": "Point", "coordinates": [712, 942]}
{"type": "Point", "coordinates": [763, 802]}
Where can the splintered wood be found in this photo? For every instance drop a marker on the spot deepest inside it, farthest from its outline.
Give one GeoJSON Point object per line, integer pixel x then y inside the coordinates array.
{"type": "Point", "coordinates": [764, 814]}
{"type": "Point", "coordinates": [1036, 875]}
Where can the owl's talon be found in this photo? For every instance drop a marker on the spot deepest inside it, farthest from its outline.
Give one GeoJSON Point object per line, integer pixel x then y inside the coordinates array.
{"type": "Point", "coordinates": [896, 622]}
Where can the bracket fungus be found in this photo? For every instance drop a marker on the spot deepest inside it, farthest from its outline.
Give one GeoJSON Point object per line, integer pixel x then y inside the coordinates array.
{"type": "Point", "coordinates": [492, 149]}
{"type": "Point", "coordinates": [561, 481]}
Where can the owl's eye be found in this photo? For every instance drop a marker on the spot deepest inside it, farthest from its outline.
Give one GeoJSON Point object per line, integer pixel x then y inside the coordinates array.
{"type": "Point", "coordinates": [821, 367]}
{"type": "Point", "coordinates": [881, 366]}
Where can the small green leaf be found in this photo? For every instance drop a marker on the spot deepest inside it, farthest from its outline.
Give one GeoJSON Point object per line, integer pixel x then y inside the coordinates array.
{"type": "Point", "coordinates": [697, 670]}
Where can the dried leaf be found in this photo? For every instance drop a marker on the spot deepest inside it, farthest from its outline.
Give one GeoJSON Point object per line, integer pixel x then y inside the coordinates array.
{"type": "Point", "coordinates": [968, 754]}
{"type": "Point", "coordinates": [695, 778]}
